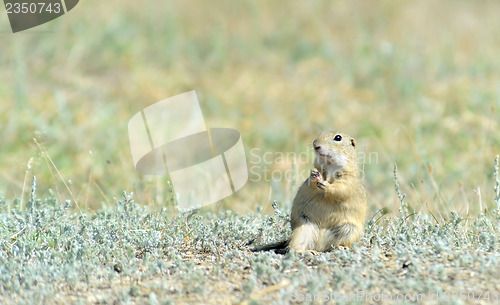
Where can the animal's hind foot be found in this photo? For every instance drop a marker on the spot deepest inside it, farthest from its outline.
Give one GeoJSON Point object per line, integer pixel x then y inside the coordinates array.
{"type": "Point", "coordinates": [313, 252]}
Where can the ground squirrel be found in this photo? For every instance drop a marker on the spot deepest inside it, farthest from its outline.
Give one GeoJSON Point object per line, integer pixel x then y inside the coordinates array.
{"type": "Point", "coordinates": [329, 209]}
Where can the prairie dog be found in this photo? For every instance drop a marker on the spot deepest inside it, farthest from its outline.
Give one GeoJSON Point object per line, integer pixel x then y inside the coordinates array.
{"type": "Point", "coordinates": [329, 209]}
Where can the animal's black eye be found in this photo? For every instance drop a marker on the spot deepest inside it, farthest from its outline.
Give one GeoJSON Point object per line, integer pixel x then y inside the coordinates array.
{"type": "Point", "coordinates": [338, 138]}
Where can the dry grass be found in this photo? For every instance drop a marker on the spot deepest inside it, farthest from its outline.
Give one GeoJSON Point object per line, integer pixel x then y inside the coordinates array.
{"type": "Point", "coordinates": [416, 83]}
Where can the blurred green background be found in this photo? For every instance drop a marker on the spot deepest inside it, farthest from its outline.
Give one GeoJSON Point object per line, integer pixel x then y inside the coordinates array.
{"type": "Point", "coordinates": [417, 83]}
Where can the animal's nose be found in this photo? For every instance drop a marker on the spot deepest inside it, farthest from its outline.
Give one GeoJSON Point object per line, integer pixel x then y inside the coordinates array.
{"type": "Point", "coordinates": [316, 147]}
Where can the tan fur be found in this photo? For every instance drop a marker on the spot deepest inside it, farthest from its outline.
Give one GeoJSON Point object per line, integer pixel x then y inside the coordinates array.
{"type": "Point", "coordinates": [329, 209]}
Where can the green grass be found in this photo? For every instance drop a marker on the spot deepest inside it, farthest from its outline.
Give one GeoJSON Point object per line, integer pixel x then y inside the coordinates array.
{"type": "Point", "coordinates": [415, 83]}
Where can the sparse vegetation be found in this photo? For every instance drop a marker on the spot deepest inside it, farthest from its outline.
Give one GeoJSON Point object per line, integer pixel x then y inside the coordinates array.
{"type": "Point", "coordinates": [416, 83]}
{"type": "Point", "coordinates": [124, 254]}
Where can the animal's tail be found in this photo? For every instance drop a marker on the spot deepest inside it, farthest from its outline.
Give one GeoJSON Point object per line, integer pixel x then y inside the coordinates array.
{"type": "Point", "coordinates": [280, 247]}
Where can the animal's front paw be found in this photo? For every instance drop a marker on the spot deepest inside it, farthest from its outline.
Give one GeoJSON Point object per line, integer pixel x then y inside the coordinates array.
{"type": "Point", "coordinates": [315, 175]}
{"type": "Point", "coordinates": [323, 185]}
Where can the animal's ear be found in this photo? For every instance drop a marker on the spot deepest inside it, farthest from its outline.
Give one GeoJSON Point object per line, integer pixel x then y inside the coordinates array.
{"type": "Point", "coordinates": [353, 143]}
